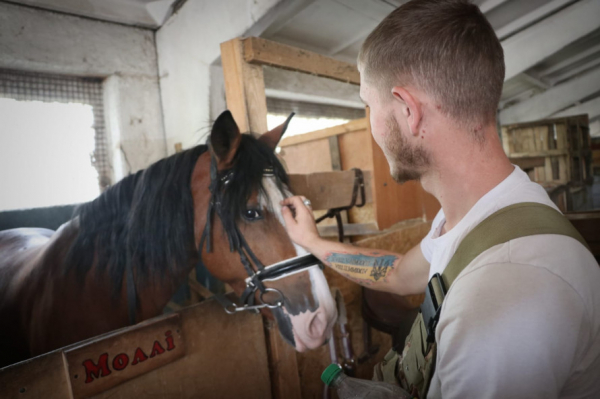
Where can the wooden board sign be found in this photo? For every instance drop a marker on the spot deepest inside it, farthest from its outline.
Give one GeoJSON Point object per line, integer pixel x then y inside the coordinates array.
{"type": "Point", "coordinates": [104, 363]}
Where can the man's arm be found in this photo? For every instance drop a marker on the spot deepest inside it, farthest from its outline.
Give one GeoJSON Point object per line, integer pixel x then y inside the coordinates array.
{"type": "Point", "coordinates": [377, 269]}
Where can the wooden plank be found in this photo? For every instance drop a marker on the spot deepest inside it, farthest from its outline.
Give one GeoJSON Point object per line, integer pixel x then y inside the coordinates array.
{"type": "Point", "coordinates": [334, 151]}
{"type": "Point", "coordinates": [45, 377]}
{"type": "Point", "coordinates": [283, 364]}
{"type": "Point", "coordinates": [218, 346]}
{"type": "Point", "coordinates": [226, 358]}
{"type": "Point", "coordinates": [265, 52]}
{"type": "Point", "coordinates": [523, 50]}
{"type": "Point", "coordinates": [538, 154]}
{"type": "Point", "coordinates": [244, 88]}
{"type": "Point", "coordinates": [357, 124]}
{"type": "Point", "coordinates": [105, 363]}
{"type": "Point", "coordinates": [355, 150]}
{"type": "Point", "coordinates": [328, 190]}
{"type": "Point", "coordinates": [529, 162]}
{"type": "Point", "coordinates": [309, 157]}
{"type": "Point", "coordinates": [351, 229]}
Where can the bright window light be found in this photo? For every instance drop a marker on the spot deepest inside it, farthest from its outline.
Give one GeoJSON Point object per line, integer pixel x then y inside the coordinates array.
{"type": "Point", "coordinates": [300, 125]}
{"type": "Point", "coordinates": [45, 154]}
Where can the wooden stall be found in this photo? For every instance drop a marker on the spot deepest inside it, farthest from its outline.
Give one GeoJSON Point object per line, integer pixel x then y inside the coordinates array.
{"type": "Point", "coordinates": [198, 352]}
{"type": "Point", "coordinates": [552, 151]}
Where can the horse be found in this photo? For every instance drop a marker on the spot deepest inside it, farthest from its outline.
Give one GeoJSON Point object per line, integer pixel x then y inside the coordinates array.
{"type": "Point", "coordinates": [123, 255]}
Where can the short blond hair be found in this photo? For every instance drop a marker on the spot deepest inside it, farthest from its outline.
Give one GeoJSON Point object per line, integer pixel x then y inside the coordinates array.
{"type": "Point", "coordinates": [446, 48]}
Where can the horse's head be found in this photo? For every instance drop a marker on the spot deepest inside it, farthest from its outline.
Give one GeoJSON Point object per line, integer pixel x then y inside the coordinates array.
{"type": "Point", "coordinates": [238, 220]}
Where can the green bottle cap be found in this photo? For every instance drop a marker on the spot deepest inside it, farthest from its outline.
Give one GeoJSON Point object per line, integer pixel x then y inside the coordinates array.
{"type": "Point", "coordinates": [330, 373]}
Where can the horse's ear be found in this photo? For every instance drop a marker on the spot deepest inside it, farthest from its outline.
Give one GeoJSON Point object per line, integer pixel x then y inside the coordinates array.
{"type": "Point", "coordinates": [272, 137]}
{"type": "Point", "coordinates": [225, 139]}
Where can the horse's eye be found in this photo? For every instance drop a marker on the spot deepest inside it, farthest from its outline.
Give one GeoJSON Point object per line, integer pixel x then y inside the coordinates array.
{"type": "Point", "coordinates": [253, 214]}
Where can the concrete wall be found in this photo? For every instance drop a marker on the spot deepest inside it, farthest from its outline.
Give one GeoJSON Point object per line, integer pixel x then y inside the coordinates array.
{"type": "Point", "coordinates": [43, 41]}
{"type": "Point", "coordinates": [187, 45]}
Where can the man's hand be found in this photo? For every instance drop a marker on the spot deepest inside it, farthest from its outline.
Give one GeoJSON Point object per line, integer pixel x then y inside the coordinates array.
{"type": "Point", "coordinates": [299, 222]}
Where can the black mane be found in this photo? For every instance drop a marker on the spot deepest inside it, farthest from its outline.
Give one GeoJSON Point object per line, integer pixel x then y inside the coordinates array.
{"type": "Point", "coordinates": [147, 218]}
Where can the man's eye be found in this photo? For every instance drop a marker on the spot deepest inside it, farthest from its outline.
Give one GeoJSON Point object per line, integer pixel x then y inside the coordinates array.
{"type": "Point", "coordinates": [253, 214]}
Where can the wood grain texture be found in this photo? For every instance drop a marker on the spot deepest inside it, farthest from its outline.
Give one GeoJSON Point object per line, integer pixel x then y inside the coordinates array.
{"type": "Point", "coordinates": [352, 126]}
{"type": "Point", "coordinates": [265, 52]}
{"type": "Point", "coordinates": [97, 366]}
{"type": "Point", "coordinates": [45, 377]}
{"type": "Point", "coordinates": [328, 190]}
{"type": "Point", "coordinates": [308, 157]}
{"type": "Point", "coordinates": [244, 88]}
{"type": "Point", "coordinates": [226, 357]}
{"type": "Point", "coordinates": [283, 364]}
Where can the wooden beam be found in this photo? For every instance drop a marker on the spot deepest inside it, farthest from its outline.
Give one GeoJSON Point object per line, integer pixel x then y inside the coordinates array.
{"type": "Point", "coordinates": [534, 80]}
{"type": "Point", "coordinates": [529, 47]}
{"type": "Point", "coordinates": [244, 88]}
{"type": "Point", "coordinates": [265, 52]}
{"type": "Point", "coordinates": [488, 5]}
{"type": "Point", "coordinates": [328, 190]}
{"type": "Point", "coordinates": [351, 229]}
{"type": "Point", "coordinates": [574, 71]}
{"type": "Point", "coordinates": [591, 108]}
{"type": "Point", "coordinates": [528, 163]}
{"type": "Point", "coordinates": [352, 126]}
{"type": "Point", "coordinates": [546, 153]}
{"type": "Point", "coordinates": [571, 60]}
{"type": "Point", "coordinates": [537, 14]}
{"type": "Point", "coordinates": [553, 100]}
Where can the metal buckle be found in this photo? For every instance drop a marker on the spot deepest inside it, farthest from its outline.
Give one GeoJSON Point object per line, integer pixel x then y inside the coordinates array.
{"type": "Point", "coordinates": [432, 305]}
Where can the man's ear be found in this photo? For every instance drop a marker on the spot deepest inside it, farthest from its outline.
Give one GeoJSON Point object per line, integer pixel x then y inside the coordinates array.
{"type": "Point", "coordinates": [411, 107]}
{"type": "Point", "coordinates": [225, 139]}
{"type": "Point", "coordinates": [272, 137]}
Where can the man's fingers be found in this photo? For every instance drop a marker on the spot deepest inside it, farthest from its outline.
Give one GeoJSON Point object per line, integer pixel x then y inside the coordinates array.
{"type": "Point", "coordinates": [288, 217]}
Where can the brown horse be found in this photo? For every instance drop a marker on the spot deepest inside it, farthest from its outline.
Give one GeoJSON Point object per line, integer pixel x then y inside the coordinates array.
{"type": "Point", "coordinates": [57, 288]}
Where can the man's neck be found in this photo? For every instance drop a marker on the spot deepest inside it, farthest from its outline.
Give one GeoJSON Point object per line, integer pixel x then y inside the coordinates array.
{"type": "Point", "coordinates": [465, 171]}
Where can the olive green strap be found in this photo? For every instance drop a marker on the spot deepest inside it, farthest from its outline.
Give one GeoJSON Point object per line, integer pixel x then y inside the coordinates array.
{"type": "Point", "coordinates": [515, 221]}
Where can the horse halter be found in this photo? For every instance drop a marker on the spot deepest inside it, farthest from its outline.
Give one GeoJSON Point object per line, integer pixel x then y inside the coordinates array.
{"type": "Point", "coordinates": [237, 242]}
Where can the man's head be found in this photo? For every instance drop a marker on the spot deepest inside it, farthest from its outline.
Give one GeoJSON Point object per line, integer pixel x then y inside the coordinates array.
{"type": "Point", "coordinates": [428, 61]}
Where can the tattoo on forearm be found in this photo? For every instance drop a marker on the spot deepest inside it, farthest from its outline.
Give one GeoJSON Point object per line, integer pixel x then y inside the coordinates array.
{"type": "Point", "coordinates": [362, 268]}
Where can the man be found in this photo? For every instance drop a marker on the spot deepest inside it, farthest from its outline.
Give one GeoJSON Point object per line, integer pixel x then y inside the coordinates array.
{"type": "Point", "coordinates": [522, 320]}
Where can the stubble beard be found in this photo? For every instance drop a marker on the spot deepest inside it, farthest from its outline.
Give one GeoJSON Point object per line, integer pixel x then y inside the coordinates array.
{"type": "Point", "coordinates": [406, 162]}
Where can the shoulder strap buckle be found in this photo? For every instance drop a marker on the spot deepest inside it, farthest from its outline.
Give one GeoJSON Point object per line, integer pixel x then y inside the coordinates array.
{"type": "Point", "coordinates": [432, 305]}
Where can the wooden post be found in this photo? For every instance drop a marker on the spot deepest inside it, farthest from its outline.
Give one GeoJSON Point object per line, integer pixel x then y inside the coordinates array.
{"type": "Point", "coordinates": [245, 94]}
{"type": "Point", "coordinates": [244, 88]}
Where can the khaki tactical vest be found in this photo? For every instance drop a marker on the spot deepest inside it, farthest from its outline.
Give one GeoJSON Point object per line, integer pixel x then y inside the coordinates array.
{"type": "Point", "coordinates": [413, 369]}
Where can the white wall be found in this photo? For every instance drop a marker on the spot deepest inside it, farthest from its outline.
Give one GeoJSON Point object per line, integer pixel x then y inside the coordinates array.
{"type": "Point", "coordinates": [43, 41]}
{"type": "Point", "coordinates": [187, 45]}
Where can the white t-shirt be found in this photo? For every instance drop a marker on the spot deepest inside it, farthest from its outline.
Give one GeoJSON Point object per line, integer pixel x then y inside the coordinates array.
{"type": "Point", "coordinates": [523, 319]}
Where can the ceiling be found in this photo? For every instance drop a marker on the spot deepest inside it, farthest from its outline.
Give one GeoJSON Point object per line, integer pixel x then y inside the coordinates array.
{"type": "Point", "coordinates": [552, 47]}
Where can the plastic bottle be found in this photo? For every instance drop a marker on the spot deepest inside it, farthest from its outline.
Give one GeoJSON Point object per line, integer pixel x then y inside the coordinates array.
{"type": "Point", "coordinates": [355, 388]}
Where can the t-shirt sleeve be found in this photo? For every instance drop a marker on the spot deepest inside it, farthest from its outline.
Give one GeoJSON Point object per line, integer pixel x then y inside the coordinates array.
{"type": "Point", "coordinates": [507, 331]}
{"type": "Point", "coordinates": [426, 242]}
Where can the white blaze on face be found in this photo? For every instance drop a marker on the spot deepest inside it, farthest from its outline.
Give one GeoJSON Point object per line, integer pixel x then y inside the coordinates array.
{"type": "Point", "coordinates": [311, 329]}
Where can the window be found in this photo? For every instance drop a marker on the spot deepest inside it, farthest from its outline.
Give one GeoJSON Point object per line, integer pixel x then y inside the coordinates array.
{"type": "Point", "coordinates": [53, 147]}
{"type": "Point", "coordinates": [309, 117]}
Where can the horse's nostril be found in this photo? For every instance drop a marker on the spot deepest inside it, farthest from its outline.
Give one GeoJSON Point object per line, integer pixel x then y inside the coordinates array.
{"type": "Point", "coordinates": [317, 325]}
